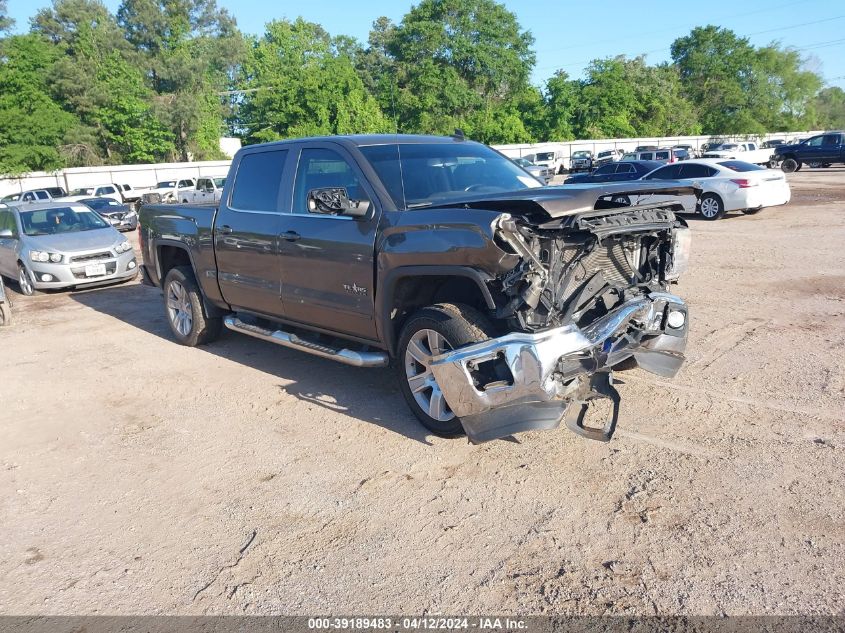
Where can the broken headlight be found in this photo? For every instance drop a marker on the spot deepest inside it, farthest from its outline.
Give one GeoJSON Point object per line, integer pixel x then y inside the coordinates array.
{"type": "Point", "coordinates": [679, 254]}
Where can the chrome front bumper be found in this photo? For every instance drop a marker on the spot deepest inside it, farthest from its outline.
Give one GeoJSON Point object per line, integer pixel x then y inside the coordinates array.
{"type": "Point", "coordinates": [545, 372]}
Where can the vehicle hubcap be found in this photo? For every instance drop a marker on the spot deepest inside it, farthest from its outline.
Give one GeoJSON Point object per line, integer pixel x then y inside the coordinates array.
{"type": "Point", "coordinates": [424, 345]}
{"type": "Point", "coordinates": [179, 308]}
{"type": "Point", "coordinates": [24, 282]}
{"type": "Point", "coordinates": [709, 207]}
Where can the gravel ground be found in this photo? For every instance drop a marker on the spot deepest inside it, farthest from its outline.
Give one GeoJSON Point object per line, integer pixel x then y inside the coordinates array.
{"type": "Point", "coordinates": [138, 476]}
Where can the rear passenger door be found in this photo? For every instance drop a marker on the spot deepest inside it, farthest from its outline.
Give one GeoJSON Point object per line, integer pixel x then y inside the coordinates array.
{"type": "Point", "coordinates": [327, 261]}
{"type": "Point", "coordinates": [832, 148]}
{"type": "Point", "coordinates": [246, 231]}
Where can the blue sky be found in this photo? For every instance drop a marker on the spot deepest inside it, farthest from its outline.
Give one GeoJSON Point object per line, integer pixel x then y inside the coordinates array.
{"type": "Point", "coordinates": [569, 34]}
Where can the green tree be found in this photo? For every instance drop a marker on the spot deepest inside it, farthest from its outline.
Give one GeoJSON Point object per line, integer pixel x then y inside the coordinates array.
{"type": "Point", "coordinates": [561, 102]}
{"type": "Point", "coordinates": [300, 84]}
{"type": "Point", "coordinates": [32, 125]}
{"type": "Point", "coordinates": [829, 109]}
{"type": "Point", "coordinates": [190, 50]}
{"type": "Point", "coordinates": [457, 63]}
{"type": "Point", "coordinates": [6, 22]}
{"type": "Point", "coordinates": [96, 79]}
{"type": "Point", "coordinates": [738, 88]}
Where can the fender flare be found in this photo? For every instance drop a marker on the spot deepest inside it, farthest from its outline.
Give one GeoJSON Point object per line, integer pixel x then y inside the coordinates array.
{"type": "Point", "coordinates": [384, 303]}
{"type": "Point", "coordinates": [211, 310]}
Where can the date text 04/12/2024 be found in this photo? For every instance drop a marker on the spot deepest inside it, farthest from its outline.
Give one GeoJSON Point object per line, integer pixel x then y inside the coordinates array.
{"type": "Point", "coordinates": [418, 624]}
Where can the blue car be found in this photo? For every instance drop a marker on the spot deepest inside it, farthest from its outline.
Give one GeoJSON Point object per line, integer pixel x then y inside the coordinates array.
{"type": "Point", "coordinates": [616, 172]}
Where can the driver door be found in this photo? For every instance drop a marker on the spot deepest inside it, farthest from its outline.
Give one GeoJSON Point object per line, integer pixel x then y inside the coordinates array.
{"type": "Point", "coordinates": [327, 261]}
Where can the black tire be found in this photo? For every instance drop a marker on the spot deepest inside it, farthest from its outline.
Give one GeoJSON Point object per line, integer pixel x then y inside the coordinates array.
{"type": "Point", "coordinates": [25, 284]}
{"type": "Point", "coordinates": [181, 296]}
{"type": "Point", "coordinates": [5, 314]}
{"type": "Point", "coordinates": [751, 211]}
{"type": "Point", "coordinates": [790, 165]}
{"type": "Point", "coordinates": [459, 325]}
{"type": "Point", "coordinates": [707, 211]}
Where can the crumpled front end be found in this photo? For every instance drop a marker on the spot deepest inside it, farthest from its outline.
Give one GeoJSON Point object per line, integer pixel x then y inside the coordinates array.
{"type": "Point", "coordinates": [526, 381]}
{"type": "Point", "coordinates": [591, 290]}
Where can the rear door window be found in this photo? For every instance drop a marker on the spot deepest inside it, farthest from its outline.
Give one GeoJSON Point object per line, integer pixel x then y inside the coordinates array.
{"type": "Point", "coordinates": [670, 172]}
{"type": "Point", "coordinates": [646, 156]}
{"type": "Point", "coordinates": [605, 169]}
{"type": "Point", "coordinates": [697, 171]}
{"type": "Point", "coordinates": [622, 168]}
{"type": "Point", "coordinates": [831, 139]}
{"type": "Point", "coordinates": [258, 180]}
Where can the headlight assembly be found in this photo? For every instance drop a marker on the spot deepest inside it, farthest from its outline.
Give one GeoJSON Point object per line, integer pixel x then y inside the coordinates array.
{"type": "Point", "coordinates": [45, 256]}
{"type": "Point", "coordinates": [123, 247]}
{"type": "Point", "coordinates": [680, 254]}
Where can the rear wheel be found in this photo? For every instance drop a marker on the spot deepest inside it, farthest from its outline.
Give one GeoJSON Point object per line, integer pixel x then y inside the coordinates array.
{"type": "Point", "coordinates": [428, 333]}
{"type": "Point", "coordinates": [183, 303]}
{"type": "Point", "coordinates": [790, 165]}
{"type": "Point", "coordinates": [711, 206]}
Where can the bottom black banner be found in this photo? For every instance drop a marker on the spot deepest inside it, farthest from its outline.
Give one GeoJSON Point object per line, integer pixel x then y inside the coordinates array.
{"type": "Point", "coordinates": [409, 624]}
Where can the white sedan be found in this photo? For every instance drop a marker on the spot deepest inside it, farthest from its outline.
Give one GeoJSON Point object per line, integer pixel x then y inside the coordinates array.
{"type": "Point", "coordinates": [727, 185]}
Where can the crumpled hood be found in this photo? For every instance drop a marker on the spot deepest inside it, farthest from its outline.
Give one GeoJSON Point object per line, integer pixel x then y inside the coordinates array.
{"type": "Point", "coordinates": [566, 200]}
{"type": "Point", "coordinates": [76, 241]}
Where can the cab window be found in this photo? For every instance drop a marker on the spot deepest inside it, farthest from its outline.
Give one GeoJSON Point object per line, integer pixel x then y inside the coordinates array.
{"type": "Point", "coordinates": [258, 180]}
{"type": "Point", "coordinates": [816, 141]}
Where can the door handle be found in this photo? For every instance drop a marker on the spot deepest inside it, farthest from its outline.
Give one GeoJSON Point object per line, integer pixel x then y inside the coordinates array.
{"type": "Point", "coordinates": [291, 236]}
{"type": "Point", "coordinates": [225, 229]}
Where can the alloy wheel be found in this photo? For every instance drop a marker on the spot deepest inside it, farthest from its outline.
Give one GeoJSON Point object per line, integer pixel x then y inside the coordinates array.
{"type": "Point", "coordinates": [179, 308]}
{"type": "Point", "coordinates": [423, 346]}
{"type": "Point", "coordinates": [24, 282]}
{"type": "Point", "coordinates": [709, 207]}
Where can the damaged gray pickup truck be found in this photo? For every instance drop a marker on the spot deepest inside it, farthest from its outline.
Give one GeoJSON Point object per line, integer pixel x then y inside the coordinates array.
{"type": "Point", "coordinates": [503, 305]}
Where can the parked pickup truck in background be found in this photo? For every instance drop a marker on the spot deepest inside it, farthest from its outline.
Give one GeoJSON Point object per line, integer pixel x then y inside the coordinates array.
{"type": "Point", "coordinates": [504, 305]}
{"type": "Point", "coordinates": [747, 152]}
{"type": "Point", "coordinates": [817, 151]}
{"type": "Point", "coordinates": [207, 191]}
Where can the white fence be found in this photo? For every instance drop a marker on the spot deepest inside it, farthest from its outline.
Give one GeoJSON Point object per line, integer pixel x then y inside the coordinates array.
{"type": "Point", "coordinates": [149, 175]}
{"type": "Point", "coordinates": [566, 148]}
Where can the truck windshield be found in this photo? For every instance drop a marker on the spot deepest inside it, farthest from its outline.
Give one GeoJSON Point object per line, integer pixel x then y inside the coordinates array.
{"type": "Point", "coordinates": [60, 220]}
{"type": "Point", "coordinates": [546, 156]}
{"type": "Point", "coordinates": [219, 182]}
{"type": "Point", "coordinates": [166, 184]}
{"type": "Point", "coordinates": [85, 191]}
{"type": "Point", "coordinates": [424, 174]}
{"type": "Point", "coordinates": [581, 155]}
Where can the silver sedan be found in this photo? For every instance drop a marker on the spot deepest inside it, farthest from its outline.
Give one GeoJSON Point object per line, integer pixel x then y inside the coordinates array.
{"type": "Point", "coordinates": [543, 174]}
{"type": "Point", "coordinates": [55, 245]}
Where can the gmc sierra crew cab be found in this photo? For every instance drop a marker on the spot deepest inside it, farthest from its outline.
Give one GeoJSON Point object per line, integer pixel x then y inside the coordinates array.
{"type": "Point", "coordinates": [503, 305]}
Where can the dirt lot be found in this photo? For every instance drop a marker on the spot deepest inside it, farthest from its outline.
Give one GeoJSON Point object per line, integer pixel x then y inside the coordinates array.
{"type": "Point", "coordinates": [138, 476]}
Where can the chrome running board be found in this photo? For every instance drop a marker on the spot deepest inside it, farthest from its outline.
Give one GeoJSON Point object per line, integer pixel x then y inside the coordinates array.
{"type": "Point", "coordinates": [286, 339]}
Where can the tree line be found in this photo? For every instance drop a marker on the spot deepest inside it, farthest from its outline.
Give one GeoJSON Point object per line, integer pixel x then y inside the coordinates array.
{"type": "Point", "coordinates": [162, 80]}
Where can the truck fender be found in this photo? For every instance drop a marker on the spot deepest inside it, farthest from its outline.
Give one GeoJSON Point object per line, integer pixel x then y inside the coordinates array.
{"type": "Point", "coordinates": [385, 297]}
{"type": "Point", "coordinates": [211, 310]}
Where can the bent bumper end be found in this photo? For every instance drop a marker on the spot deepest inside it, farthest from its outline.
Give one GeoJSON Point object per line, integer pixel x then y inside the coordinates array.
{"type": "Point", "coordinates": [529, 381]}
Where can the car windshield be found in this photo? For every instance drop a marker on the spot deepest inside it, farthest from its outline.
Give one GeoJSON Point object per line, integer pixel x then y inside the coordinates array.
{"type": "Point", "coordinates": [60, 220]}
{"type": "Point", "coordinates": [546, 156]}
{"type": "Point", "coordinates": [581, 155]}
{"type": "Point", "coordinates": [741, 165]}
{"type": "Point", "coordinates": [523, 162]}
{"type": "Point", "coordinates": [219, 182]}
{"type": "Point", "coordinates": [84, 191]}
{"type": "Point", "coordinates": [423, 174]}
{"type": "Point", "coordinates": [166, 184]}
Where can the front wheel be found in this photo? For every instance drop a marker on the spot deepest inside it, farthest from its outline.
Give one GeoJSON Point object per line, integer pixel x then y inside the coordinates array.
{"type": "Point", "coordinates": [25, 284]}
{"type": "Point", "coordinates": [185, 315]}
{"type": "Point", "coordinates": [711, 207]}
{"type": "Point", "coordinates": [428, 333]}
{"type": "Point", "coordinates": [790, 165]}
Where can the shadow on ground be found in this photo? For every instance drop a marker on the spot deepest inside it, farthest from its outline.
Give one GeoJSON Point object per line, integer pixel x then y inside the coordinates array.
{"type": "Point", "coordinates": [369, 395]}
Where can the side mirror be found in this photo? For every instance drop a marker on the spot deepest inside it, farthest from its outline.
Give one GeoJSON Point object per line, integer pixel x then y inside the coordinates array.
{"type": "Point", "coordinates": [7, 233]}
{"type": "Point", "coordinates": [336, 201]}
